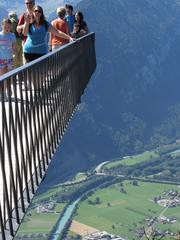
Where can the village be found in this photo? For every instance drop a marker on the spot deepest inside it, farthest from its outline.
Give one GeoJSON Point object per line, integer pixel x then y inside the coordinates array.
{"type": "Point", "coordinates": [102, 235]}
{"type": "Point", "coordinates": [169, 198]}
{"type": "Point", "coordinates": [46, 208]}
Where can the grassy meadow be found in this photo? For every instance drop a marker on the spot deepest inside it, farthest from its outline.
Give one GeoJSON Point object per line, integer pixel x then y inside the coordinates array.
{"type": "Point", "coordinates": [132, 160]}
{"type": "Point", "coordinates": [126, 211]}
{"type": "Point", "coordinates": [40, 222]}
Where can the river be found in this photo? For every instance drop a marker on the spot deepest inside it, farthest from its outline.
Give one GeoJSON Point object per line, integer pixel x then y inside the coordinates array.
{"type": "Point", "coordinates": [62, 221]}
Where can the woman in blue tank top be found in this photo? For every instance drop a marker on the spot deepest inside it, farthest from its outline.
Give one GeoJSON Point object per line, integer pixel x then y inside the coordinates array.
{"type": "Point", "coordinates": [36, 44]}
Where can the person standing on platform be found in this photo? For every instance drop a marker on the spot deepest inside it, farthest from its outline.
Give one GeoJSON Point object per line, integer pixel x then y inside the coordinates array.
{"type": "Point", "coordinates": [36, 32]}
{"type": "Point", "coordinates": [70, 18]}
{"type": "Point", "coordinates": [60, 24]}
{"type": "Point", "coordinates": [76, 31]}
{"type": "Point", "coordinates": [7, 49]}
{"type": "Point", "coordinates": [14, 22]}
{"type": "Point", "coordinates": [36, 44]}
{"type": "Point", "coordinates": [79, 19]}
{"type": "Point", "coordinates": [29, 11]}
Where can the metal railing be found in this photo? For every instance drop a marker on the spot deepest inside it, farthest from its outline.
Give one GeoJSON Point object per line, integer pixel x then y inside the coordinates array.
{"type": "Point", "coordinates": [37, 102]}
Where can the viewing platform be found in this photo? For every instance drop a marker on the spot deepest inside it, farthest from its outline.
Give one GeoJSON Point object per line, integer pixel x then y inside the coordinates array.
{"type": "Point", "coordinates": [41, 99]}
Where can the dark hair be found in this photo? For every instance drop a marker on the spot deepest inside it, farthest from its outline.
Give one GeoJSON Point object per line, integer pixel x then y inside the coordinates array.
{"type": "Point", "coordinates": [76, 24]}
{"type": "Point", "coordinates": [69, 7]}
{"type": "Point", "coordinates": [80, 15]}
{"type": "Point", "coordinates": [42, 18]}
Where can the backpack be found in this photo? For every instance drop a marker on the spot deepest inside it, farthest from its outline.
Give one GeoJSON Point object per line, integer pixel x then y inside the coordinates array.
{"type": "Point", "coordinates": [14, 23]}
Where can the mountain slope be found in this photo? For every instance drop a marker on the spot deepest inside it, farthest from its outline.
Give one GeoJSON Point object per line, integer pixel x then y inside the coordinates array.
{"type": "Point", "coordinates": [137, 81]}
{"type": "Point", "coordinates": [138, 55]}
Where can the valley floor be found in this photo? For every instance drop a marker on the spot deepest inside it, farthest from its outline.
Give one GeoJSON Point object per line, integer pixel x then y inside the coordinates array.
{"type": "Point", "coordinates": [120, 204]}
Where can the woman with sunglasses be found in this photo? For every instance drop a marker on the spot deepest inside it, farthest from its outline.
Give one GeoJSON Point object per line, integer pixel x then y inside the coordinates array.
{"type": "Point", "coordinates": [36, 43]}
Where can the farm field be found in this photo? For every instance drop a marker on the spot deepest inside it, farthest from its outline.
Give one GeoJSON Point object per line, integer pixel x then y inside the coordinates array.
{"type": "Point", "coordinates": [81, 229]}
{"type": "Point", "coordinates": [132, 160]}
{"type": "Point", "coordinates": [40, 222]}
{"type": "Point", "coordinates": [45, 196]}
{"type": "Point", "coordinates": [80, 176]}
{"type": "Point", "coordinates": [122, 213]}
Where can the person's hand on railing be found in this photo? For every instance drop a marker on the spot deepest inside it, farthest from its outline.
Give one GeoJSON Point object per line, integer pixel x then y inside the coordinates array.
{"type": "Point", "coordinates": [71, 39]}
{"type": "Point", "coordinates": [50, 48]}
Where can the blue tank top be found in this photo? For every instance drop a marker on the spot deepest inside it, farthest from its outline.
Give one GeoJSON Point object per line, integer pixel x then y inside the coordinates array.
{"type": "Point", "coordinates": [37, 40]}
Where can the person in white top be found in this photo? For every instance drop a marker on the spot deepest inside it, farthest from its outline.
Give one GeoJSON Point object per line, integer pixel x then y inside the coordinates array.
{"type": "Point", "coordinates": [7, 49]}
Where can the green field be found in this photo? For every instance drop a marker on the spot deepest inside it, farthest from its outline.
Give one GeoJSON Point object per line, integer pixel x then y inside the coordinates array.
{"type": "Point", "coordinates": [47, 195]}
{"type": "Point", "coordinates": [132, 160]}
{"type": "Point", "coordinates": [80, 176]}
{"type": "Point", "coordinates": [175, 153]}
{"type": "Point", "coordinates": [40, 222]}
{"type": "Point", "coordinates": [127, 211]}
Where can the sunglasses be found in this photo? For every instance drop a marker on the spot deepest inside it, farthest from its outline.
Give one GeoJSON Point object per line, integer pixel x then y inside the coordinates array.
{"type": "Point", "coordinates": [39, 11]}
{"type": "Point", "coordinates": [28, 3]}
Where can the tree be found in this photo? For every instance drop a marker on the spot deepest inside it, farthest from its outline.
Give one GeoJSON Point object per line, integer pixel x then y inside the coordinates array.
{"type": "Point", "coordinates": [97, 201]}
{"type": "Point", "coordinates": [90, 202]}
{"type": "Point", "coordinates": [135, 183]}
{"type": "Point", "coordinates": [121, 184]}
{"type": "Point", "coordinates": [122, 190]}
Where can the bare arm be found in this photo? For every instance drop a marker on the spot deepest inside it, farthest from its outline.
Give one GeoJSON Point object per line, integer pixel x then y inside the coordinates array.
{"type": "Point", "coordinates": [14, 49]}
{"type": "Point", "coordinates": [84, 31]}
{"type": "Point", "coordinates": [20, 24]}
{"type": "Point", "coordinates": [58, 33]}
{"type": "Point", "coordinates": [67, 29]}
{"type": "Point", "coordinates": [50, 42]}
{"type": "Point", "coordinates": [26, 24]}
{"type": "Point", "coordinates": [14, 52]}
{"type": "Point", "coordinates": [25, 29]}
{"type": "Point", "coordinates": [19, 28]}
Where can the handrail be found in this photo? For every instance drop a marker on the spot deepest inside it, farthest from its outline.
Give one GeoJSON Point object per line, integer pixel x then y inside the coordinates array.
{"type": "Point", "coordinates": [23, 67]}
{"type": "Point", "coordinates": [41, 99]}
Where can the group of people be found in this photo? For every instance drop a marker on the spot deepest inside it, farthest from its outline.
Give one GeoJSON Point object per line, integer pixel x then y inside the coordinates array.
{"type": "Point", "coordinates": [32, 36]}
